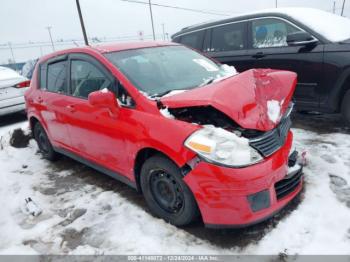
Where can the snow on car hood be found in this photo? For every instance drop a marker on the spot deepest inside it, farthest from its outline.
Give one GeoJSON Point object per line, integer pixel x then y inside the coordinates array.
{"type": "Point", "coordinates": [246, 98]}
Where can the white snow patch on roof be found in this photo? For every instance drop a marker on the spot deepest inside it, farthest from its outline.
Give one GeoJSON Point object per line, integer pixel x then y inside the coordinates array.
{"type": "Point", "coordinates": [274, 110]}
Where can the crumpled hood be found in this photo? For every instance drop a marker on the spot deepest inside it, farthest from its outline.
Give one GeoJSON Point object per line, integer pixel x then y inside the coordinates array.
{"type": "Point", "coordinates": [252, 99]}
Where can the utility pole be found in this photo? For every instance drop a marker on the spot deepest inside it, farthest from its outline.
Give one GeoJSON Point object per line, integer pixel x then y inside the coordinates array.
{"type": "Point", "coordinates": [150, 10]}
{"type": "Point", "coordinates": [276, 3]}
{"type": "Point", "coordinates": [82, 23]}
{"type": "Point", "coordinates": [334, 7]}
{"type": "Point", "coordinates": [13, 56]}
{"type": "Point", "coordinates": [342, 10]}
{"type": "Point", "coordinates": [163, 31]}
{"type": "Point", "coordinates": [49, 29]}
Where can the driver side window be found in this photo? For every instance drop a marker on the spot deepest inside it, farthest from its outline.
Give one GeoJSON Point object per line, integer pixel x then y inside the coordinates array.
{"type": "Point", "coordinates": [87, 78]}
{"type": "Point", "coordinates": [271, 32]}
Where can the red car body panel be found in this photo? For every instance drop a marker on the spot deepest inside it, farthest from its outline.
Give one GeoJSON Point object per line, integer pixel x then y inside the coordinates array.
{"type": "Point", "coordinates": [114, 142]}
{"type": "Point", "coordinates": [242, 97]}
{"type": "Point", "coordinates": [221, 192]}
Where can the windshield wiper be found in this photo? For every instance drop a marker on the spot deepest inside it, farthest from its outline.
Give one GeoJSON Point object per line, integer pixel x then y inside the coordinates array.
{"type": "Point", "coordinates": [161, 94]}
{"type": "Point", "coordinates": [208, 81]}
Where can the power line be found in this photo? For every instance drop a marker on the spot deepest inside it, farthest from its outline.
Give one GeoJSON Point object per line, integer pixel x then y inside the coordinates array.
{"type": "Point", "coordinates": [179, 8]}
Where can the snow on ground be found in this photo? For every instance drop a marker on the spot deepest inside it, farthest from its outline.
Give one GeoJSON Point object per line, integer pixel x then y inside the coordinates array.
{"type": "Point", "coordinates": [85, 212]}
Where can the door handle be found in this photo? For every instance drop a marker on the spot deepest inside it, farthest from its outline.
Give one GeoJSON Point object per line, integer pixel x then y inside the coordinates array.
{"type": "Point", "coordinates": [40, 100]}
{"type": "Point", "coordinates": [71, 108]}
{"type": "Point", "coordinates": [259, 55]}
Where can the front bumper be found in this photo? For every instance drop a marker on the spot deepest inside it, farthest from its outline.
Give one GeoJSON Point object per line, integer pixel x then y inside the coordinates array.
{"type": "Point", "coordinates": [225, 196]}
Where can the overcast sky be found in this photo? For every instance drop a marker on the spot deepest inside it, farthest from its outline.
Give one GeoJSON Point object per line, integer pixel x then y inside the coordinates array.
{"type": "Point", "coordinates": [25, 21]}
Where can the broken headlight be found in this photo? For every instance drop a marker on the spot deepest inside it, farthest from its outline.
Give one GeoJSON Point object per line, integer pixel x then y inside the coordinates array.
{"type": "Point", "coordinates": [222, 147]}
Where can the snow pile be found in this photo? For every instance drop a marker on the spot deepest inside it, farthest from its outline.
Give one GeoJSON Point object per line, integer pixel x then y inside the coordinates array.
{"type": "Point", "coordinates": [274, 110]}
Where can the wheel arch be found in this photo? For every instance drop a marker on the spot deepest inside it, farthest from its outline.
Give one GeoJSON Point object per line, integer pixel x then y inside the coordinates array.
{"type": "Point", "coordinates": [32, 121]}
{"type": "Point", "coordinates": [340, 88]}
{"type": "Point", "coordinates": [146, 153]}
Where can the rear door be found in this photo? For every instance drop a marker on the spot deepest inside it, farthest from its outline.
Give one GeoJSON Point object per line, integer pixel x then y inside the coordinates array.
{"type": "Point", "coordinates": [51, 99]}
{"type": "Point", "coordinates": [228, 44]}
{"type": "Point", "coordinates": [269, 49]}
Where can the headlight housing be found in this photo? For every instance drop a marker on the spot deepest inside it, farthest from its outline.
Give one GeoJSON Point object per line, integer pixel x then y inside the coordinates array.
{"type": "Point", "coordinates": [222, 147]}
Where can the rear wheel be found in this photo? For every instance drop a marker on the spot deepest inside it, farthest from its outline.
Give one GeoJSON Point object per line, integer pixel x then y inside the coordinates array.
{"type": "Point", "coordinates": [345, 108]}
{"type": "Point", "coordinates": [166, 193]}
{"type": "Point", "coordinates": [44, 143]}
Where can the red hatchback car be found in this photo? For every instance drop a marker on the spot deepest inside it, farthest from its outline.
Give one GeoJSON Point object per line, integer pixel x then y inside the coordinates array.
{"type": "Point", "coordinates": [195, 137]}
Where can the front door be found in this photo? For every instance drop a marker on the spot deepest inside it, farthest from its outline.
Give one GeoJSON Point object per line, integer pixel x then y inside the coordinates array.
{"type": "Point", "coordinates": [93, 131]}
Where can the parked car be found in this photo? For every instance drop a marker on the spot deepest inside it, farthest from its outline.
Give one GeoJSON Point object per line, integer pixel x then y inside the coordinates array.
{"type": "Point", "coordinates": [192, 135]}
{"type": "Point", "coordinates": [313, 43]}
{"type": "Point", "coordinates": [28, 68]}
{"type": "Point", "coordinates": [12, 88]}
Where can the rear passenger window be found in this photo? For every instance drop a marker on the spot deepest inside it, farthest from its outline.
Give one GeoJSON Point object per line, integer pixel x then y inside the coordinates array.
{"type": "Point", "coordinates": [87, 78]}
{"type": "Point", "coordinates": [194, 40]}
{"type": "Point", "coordinates": [229, 37]}
{"type": "Point", "coordinates": [57, 77]}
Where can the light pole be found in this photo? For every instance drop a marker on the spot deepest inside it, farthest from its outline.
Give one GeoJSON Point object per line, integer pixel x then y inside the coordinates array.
{"type": "Point", "coordinates": [82, 23]}
{"type": "Point", "coordinates": [13, 56]}
{"type": "Point", "coordinates": [276, 3]}
{"type": "Point", "coordinates": [163, 27]}
{"type": "Point", "coordinates": [150, 10]}
{"type": "Point", "coordinates": [334, 7]}
{"type": "Point", "coordinates": [49, 29]}
{"type": "Point", "coordinates": [342, 10]}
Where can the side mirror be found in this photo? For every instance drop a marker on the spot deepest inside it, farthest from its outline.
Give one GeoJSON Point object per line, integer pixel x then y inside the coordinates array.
{"type": "Point", "coordinates": [104, 99]}
{"type": "Point", "coordinates": [300, 39]}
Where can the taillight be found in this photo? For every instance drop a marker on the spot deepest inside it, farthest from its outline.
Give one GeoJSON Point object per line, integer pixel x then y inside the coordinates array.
{"type": "Point", "coordinates": [23, 84]}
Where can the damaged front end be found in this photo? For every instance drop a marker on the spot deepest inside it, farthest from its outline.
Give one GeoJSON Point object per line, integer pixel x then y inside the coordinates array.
{"type": "Point", "coordinates": [244, 120]}
{"type": "Point", "coordinates": [233, 145]}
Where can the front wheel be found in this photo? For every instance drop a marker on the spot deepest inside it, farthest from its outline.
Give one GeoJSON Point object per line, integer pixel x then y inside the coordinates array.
{"type": "Point", "coordinates": [345, 108]}
{"type": "Point", "coordinates": [165, 192]}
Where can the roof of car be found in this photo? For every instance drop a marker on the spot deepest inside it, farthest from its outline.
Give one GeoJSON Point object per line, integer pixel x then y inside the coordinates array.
{"type": "Point", "coordinates": [287, 12]}
{"type": "Point", "coordinates": [107, 48]}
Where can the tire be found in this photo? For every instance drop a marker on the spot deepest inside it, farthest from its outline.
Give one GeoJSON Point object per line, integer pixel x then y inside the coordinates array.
{"type": "Point", "coordinates": [345, 108]}
{"type": "Point", "coordinates": [44, 143]}
{"type": "Point", "coordinates": [166, 194]}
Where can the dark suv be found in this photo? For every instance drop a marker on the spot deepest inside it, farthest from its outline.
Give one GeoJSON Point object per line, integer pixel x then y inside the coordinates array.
{"type": "Point", "coordinates": [313, 43]}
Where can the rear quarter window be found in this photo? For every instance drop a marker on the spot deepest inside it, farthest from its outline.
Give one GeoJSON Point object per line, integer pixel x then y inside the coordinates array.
{"type": "Point", "coordinates": [42, 76]}
{"type": "Point", "coordinates": [57, 77]}
{"type": "Point", "coordinates": [194, 40]}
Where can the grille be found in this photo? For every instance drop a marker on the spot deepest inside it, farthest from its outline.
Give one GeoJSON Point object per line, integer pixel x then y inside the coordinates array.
{"type": "Point", "coordinates": [288, 185]}
{"type": "Point", "coordinates": [271, 141]}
